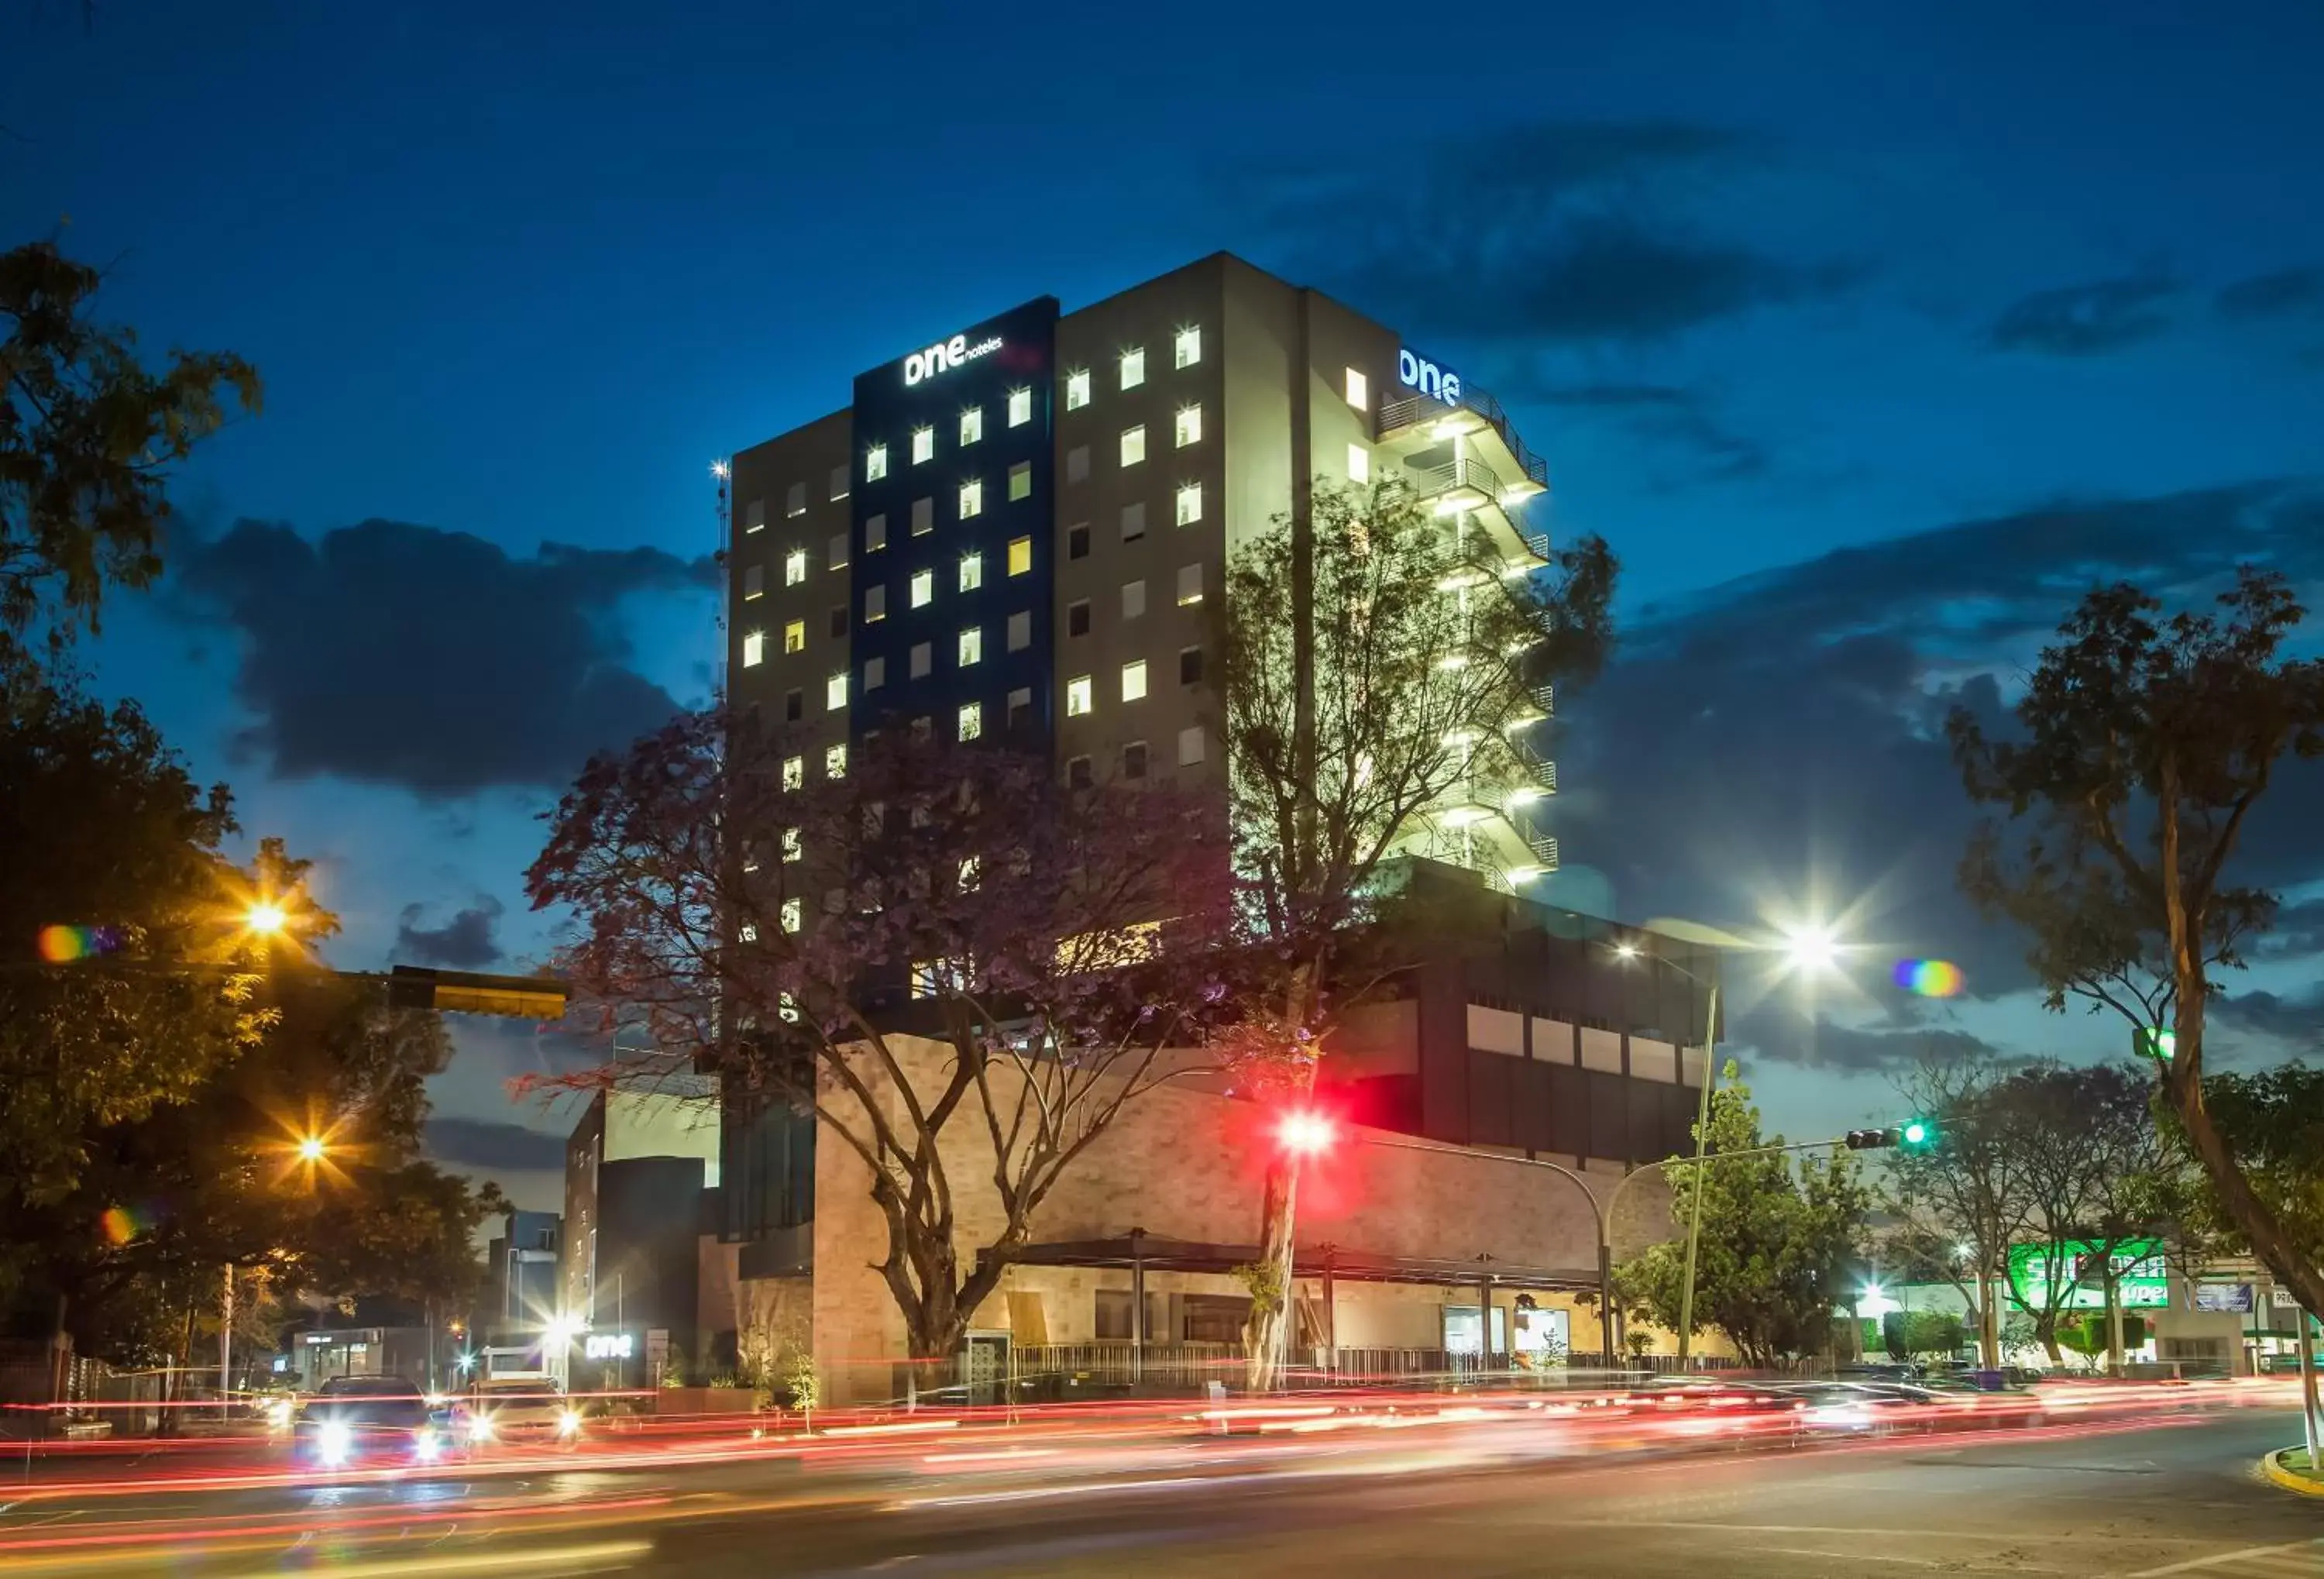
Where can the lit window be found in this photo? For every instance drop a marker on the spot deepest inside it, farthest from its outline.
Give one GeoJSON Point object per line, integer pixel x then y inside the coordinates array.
{"type": "Point", "coordinates": [1021, 631]}
{"type": "Point", "coordinates": [1078, 390]}
{"type": "Point", "coordinates": [875, 604]}
{"type": "Point", "coordinates": [1190, 584]}
{"type": "Point", "coordinates": [875, 673]}
{"type": "Point", "coordinates": [795, 636]}
{"type": "Point", "coordinates": [924, 445]}
{"type": "Point", "coordinates": [1133, 367]}
{"type": "Point", "coordinates": [754, 649]}
{"type": "Point", "coordinates": [791, 845]}
{"type": "Point", "coordinates": [794, 567]}
{"type": "Point", "coordinates": [1190, 746]}
{"type": "Point", "coordinates": [1134, 521]}
{"type": "Point", "coordinates": [754, 515]}
{"type": "Point", "coordinates": [1190, 504]}
{"type": "Point", "coordinates": [794, 772]}
{"type": "Point", "coordinates": [1020, 407]}
{"type": "Point", "coordinates": [1133, 679]}
{"type": "Point", "coordinates": [1190, 347]}
{"type": "Point", "coordinates": [748, 932]}
{"type": "Point", "coordinates": [837, 559]}
{"type": "Point", "coordinates": [1133, 445]}
{"type": "Point", "coordinates": [876, 534]}
{"type": "Point", "coordinates": [754, 582]}
{"type": "Point", "coordinates": [1133, 599]}
{"type": "Point", "coordinates": [1021, 480]}
{"type": "Point", "coordinates": [971, 424]}
{"type": "Point", "coordinates": [972, 498]}
{"type": "Point", "coordinates": [924, 588]}
{"type": "Point", "coordinates": [971, 645]}
{"type": "Point", "coordinates": [1077, 695]}
{"type": "Point", "coordinates": [1077, 464]}
{"type": "Point", "coordinates": [790, 915]}
{"type": "Point", "coordinates": [795, 499]}
{"type": "Point", "coordinates": [1359, 391]}
{"type": "Point", "coordinates": [839, 482]}
{"type": "Point", "coordinates": [835, 761]}
{"type": "Point", "coordinates": [1360, 464]}
{"type": "Point", "coordinates": [971, 572]}
{"type": "Point", "coordinates": [1190, 426]}
{"type": "Point", "coordinates": [923, 517]}
{"type": "Point", "coordinates": [972, 720]}
{"type": "Point", "coordinates": [835, 691]}
{"type": "Point", "coordinates": [1021, 555]}
{"type": "Point", "coordinates": [923, 658]}
{"type": "Point", "coordinates": [875, 463]}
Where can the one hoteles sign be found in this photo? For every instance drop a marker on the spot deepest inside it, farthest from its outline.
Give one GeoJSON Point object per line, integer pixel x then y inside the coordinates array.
{"type": "Point", "coordinates": [943, 356]}
{"type": "Point", "coordinates": [1419, 372]}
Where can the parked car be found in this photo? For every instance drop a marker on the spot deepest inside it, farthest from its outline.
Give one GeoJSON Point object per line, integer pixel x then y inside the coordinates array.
{"type": "Point", "coordinates": [358, 1419]}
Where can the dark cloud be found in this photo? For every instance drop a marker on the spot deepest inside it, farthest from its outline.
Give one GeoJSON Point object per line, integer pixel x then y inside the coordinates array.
{"type": "Point", "coordinates": [2298, 1018]}
{"type": "Point", "coordinates": [485, 1143]}
{"type": "Point", "coordinates": [465, 942]}
{"type": "Point", "coordinates": [1560, 233]}
{"type": "Point", "coordinates": [1788, 1036]}
{"type": "Point", "coordinates": [2085, 321]}
{"type": "Point", "coordinates": [2287, 292]}
{"type": "Point", "coordinates": [1783, 733]}
{"type": "Point", "coordinates": [1684, 420]}
{"type": "Point", "coordinates": [401, 654]}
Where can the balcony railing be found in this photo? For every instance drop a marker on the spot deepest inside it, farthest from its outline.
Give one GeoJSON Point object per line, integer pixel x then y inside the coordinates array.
{"type": "Point", "coordinates": [1464, 473]}
{"type": "Point", "coordinates": [1423, 411]}
{"type": "Point", "coordinates": [1545, 851]}
{"type": "Point", "coordinates": [1544, 696]}
{"type": "Point", "coordinates": [1543, 771]}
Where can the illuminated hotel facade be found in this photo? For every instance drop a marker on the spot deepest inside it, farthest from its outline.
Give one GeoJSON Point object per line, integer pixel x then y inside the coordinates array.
{"type": "Point", "coordinates": [1022, 527]}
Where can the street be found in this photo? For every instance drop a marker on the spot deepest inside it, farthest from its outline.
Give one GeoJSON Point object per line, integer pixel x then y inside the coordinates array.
{"type": "Point", "coordinates": [2157, 1494]}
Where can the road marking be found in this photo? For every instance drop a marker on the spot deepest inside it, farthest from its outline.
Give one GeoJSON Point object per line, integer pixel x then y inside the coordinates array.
{"type": "Point", "coordinates": [2193, 1564]}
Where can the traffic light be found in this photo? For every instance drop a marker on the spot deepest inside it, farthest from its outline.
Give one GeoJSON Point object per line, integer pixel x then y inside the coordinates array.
{"type": "Point", "coordinates": [2158, 1042]}
{"type": "Point", "coordinates": [1872, 1140]}
{"type": "Point", "coordinates": [1912, 1135]}
{"type": "Point", "coordinates": [1916, 1134]}
{"type": "Point", "coordinates": [1305, 1132]}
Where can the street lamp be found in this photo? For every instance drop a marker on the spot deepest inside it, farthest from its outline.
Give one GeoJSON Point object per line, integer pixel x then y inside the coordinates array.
{"type": "Point", "coordinates": [312, 1148]}
{"type": "Point", "coordinates": [265, 918]}
{"type": "Point", "coordinates": [1806, 949]}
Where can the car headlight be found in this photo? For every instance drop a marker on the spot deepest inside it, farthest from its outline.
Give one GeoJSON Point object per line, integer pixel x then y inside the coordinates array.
{"type": "Point", "coordinates": [568, 1422]}
{"type": "Point", "coordinates": [278, 1413]}
{"type": "Point", "coordinates": [334, 1441]}
{"type": "Point", "coordinates": [480, 1428]}
{"type": "Point", "coordinates": [425, 1445]}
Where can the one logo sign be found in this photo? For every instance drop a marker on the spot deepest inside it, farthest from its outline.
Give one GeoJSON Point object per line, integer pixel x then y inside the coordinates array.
{"type": "Point", "coordinates": [943, 356]}
{"type": "Point", "coordinates": [608, 1345]}
{"type": "Point", "coordinates": [1438, 383]}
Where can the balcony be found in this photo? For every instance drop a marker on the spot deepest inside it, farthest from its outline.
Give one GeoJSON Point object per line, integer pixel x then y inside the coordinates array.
{"type": "Point", "coordinates": [1477, 413]}
{"type": "Point", "coordinates": [1451, 482]}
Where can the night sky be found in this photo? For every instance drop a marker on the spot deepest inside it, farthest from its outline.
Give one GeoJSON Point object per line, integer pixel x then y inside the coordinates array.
{"type": "Point", "coordinates": [1868, 334]}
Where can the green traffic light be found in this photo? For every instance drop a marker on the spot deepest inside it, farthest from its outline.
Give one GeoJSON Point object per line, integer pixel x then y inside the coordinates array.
{"type": "Point", "coordinates": [1916, 1132]}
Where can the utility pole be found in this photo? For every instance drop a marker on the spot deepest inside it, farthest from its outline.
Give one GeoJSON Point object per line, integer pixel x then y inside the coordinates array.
{"type": "Point", "coordinates": [225, 1346]}
{"type": "Point", "coordinates": [1702, 1174]}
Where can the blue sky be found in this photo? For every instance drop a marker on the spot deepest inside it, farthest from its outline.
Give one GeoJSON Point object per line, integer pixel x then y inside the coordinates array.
{"type": "Point", "coordinates": [1868, 334]}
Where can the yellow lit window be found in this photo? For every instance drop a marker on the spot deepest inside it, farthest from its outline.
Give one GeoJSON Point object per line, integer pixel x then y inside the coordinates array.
{"type": "Point", "coordinates": [1077, 695]}
{"type": "Point", "coordinates": [1021, 555]}
{"type": "Point", "coordinates": [795, 636]}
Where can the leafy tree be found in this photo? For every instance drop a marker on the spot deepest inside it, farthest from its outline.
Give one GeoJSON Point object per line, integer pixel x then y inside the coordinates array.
{"type": "Point", "coordinates": [1960, 1203]}
{"type": "Point", "coordinates": [115, 858]}
{"type": "Point", "coordinates": [88, 436]}
{"type": "Point", "coordinates": [796, 933]}
{"type": "Point", "coordinates": [2273, 1123]}
{"type": "Point", "coordinates": [1778, 1237]}
{"type": "Point", "coordinates": [1376, 658]}
{"type": "Point", "coordinates": [1921, 1334]}
{"type": "Point", "coordinates": [2144, 744]}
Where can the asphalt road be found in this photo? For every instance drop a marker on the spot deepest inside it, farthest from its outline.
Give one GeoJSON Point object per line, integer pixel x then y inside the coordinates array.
{"type": "Point", "coordinates": [2172, 1496]}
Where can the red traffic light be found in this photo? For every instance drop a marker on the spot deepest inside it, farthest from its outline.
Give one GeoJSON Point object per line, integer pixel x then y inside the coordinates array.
{"type": "Point", "coordinates": [1305, 1132]}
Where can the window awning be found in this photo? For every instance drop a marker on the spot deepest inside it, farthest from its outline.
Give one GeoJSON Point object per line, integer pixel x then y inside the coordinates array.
{"type": "Point", "coordinates": [1157, 1254]}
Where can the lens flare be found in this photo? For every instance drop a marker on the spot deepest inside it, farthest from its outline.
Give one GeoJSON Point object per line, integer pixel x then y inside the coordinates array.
{"type": "Point", "coordinates": [119, 1224]}
{"type": "Point", "coordinates": [1929, 978]}
{"type": "Point", "coordinates": [62, 945]}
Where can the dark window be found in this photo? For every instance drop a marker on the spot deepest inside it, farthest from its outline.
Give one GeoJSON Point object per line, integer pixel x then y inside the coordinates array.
{"type": "Point", "coordinates": [1077, 618]}
{"type": "Point", "coordinates": [1020, 712]}
{"type": "Point", "coordinates": [1115, 1309]}
{"type": "Point", "coordinates": [1077, 773]}
{"type": "Point", "coordinates": [1133, 760]}
{"type": "Point", "coordinates": [1078, 543]}
{"type": "Point", "coordinates": [1215, 1318]}
{"type": "Point", "coordinates": [839, 620]}
{"type": "Point", "coordinates": [1190, 665]}
{"type": "Point", "coordinates": [794, 706]}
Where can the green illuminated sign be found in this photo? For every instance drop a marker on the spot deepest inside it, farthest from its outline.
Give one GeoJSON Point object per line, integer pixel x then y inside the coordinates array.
{"type": "Point", "coordinates": [2143, 1281]}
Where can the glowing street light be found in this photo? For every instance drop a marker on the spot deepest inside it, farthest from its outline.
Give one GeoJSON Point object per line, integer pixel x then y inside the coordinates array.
{"type": "Point", "coordinates": [312, 1148]}
{"type": "Point", "coordinates": [1812, 948]}
{"type": "Point", "coordinates": [266, 918]}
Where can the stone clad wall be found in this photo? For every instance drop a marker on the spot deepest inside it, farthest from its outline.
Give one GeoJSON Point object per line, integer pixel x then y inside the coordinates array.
{"type": "Point", "coordinates": [1186, 1164]}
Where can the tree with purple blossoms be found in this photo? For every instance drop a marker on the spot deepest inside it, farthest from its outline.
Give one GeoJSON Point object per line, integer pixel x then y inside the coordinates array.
{"type": "Point", "coordinates": [810, 934]}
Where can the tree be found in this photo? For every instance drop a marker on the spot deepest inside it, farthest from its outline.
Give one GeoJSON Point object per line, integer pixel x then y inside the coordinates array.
{"type": "Point", "coordinates": [2144, 744]}
{"type": "Point", "coordinates": [1777, 1239]}
{"type": "Point", "coordinates": [2273, 1123]}
{"type": "Point", "coordinates": [1960, 1204]}
{"type": "Point", "coordinates": [147, 986]}
{"type": "Point", "coordinates": [810, 939]}
{"type": "Point", "coordinates": [1411, 653]}
{"type": "Point", "coordinates": [2085, 1142]}
{"type": "Point", "coordinates": [1921, 1334]}
{"type": "Point", "coordinates": [88, 436]}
